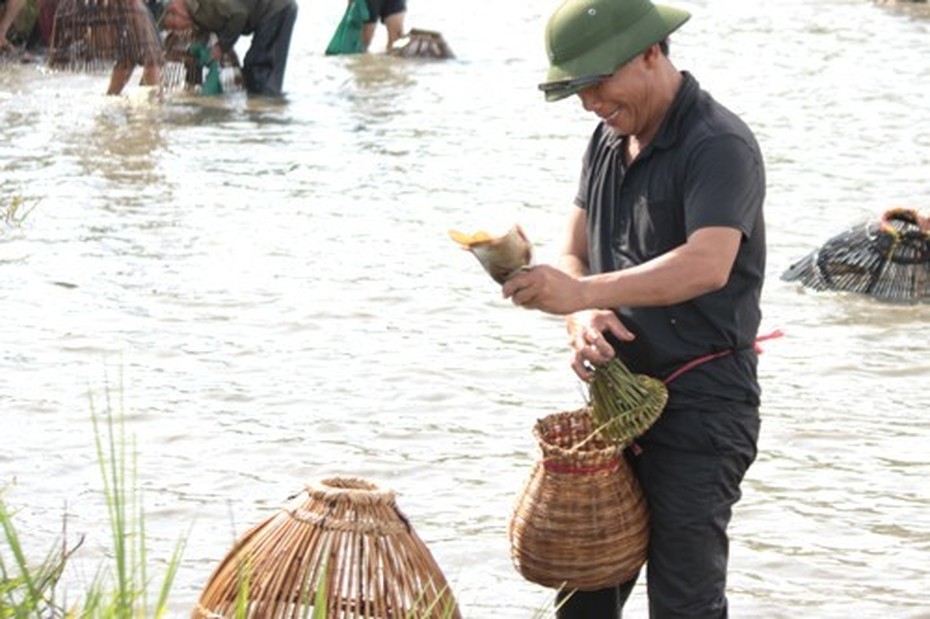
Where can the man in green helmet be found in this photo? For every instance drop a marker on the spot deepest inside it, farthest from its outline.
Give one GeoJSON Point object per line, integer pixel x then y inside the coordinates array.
{"type": "Point", "coordinates": [662, 266]}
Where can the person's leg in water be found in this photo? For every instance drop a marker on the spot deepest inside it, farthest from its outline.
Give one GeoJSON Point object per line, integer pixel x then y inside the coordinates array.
{"type": "Point", "coordinates": [265, 62]}
{"type": "Point", "coordinates": [391, 13]}
{"type": "Point", "coordinates": [151, 75]}
{"type": "Point", "coordinates": [394, 24]}
{"type": "Point", "coordinates": [120, 75]}
{"type": "Point", "coordinates": [691, 468]}
{"type": "Point", "coordinates": [368, 28]}
{"type": "Point", "coordinates": [600, 604]}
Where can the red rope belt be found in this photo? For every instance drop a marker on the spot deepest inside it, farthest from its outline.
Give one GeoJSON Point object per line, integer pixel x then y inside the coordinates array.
{"type": "Point", "coordinates": [716, 355]}
{"type": "Point", "coordinates": [557, 467]}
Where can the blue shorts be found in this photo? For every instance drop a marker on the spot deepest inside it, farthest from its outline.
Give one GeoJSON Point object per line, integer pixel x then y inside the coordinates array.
{"type": "Point", "coordinates": [384, 8]}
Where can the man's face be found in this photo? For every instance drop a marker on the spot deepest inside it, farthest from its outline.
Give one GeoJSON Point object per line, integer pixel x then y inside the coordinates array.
{"type": "Point", "coordinates": [621, 99]}
{"type": "Point", "coordinates": [177, 16]}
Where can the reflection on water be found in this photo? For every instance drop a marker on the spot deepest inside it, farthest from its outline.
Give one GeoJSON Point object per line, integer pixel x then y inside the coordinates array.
{"type": "Point", "coordinates": [122, 146]}
{"type": "Point", "coordinates": [272, 286]}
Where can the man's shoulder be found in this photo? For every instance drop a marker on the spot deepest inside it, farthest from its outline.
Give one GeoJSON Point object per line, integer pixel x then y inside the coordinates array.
{"type": "Point", "coordinates": [707, 117]}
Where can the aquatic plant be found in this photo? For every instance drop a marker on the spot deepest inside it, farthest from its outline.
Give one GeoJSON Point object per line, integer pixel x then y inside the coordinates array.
{"type": "Point", "coordinates": [15, 210]}
{"type": "Point", "coordinates": [119, 590]}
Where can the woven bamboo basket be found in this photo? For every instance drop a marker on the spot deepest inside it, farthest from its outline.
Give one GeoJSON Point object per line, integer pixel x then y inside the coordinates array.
{"type": "Point", "coordinates": [419, 43]}
{"type": "Point", "coordinates": [344, 535]}
{"type": "Point", "coordinates": [887, 259]}
{"type": "Point", "coordinates": [624, 405]}
{"type": "Point", "coordinates": [581, 520]}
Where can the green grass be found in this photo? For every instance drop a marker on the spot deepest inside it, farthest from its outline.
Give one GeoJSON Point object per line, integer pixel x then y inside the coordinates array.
{"type": "Point", "coordinates": [14, 210]}
{"type": "Point", "coordinates": [120, 588]}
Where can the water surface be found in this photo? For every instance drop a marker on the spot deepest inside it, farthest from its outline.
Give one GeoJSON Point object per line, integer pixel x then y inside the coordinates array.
{"type": "Point", "coordinates": [269, 293]}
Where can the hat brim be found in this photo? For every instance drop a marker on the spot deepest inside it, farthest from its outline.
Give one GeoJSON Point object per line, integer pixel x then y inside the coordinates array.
{"type": "Point", "coordinates": [614, 52]}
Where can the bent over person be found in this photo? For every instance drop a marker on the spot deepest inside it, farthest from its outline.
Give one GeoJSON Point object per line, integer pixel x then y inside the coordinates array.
{"type": "Point", "coordinates": [662, 266]}
{"type": "Point", "coordinates": [269, 22]}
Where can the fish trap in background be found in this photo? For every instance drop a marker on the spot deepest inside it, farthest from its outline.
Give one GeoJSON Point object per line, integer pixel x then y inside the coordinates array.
{"type": "Point", "coordinates": [186, 70]}
{"type": "Point", "coordinates": [419, 43]}
{"type": "Point", "coordinates": [92, 35]}
{"type": "Point", "coordinates": [342, 540]}
{"type": "Point", "coordinates": [887, 259]}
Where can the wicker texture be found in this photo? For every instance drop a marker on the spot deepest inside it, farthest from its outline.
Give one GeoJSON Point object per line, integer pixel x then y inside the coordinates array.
{"type": "Point", "coordinates": [624, 405]}
{"type": "Point", "coordinates": [88, 35]}
{"type": "Point", "coordinates": [182, 72]}
{"type": "Point", "coordinates": [422, 44]}
{"type": "Point", "coordinates": [345, 534]}
{"type": "Point", "coordinates": [581, 520]}
{"type": "Point", "coordinates": [887, 259]}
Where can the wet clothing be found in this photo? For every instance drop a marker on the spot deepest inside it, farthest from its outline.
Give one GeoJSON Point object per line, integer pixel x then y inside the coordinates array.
{"type": "Point", "coordinates": [382, 9]}
{"type": "Point", "coordinates": [270, 22]}
{"type": "Point", "coordinates": [703, 168]}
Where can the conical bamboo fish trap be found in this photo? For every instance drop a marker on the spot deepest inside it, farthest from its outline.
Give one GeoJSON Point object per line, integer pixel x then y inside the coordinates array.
{"type": "Point", "coordinates": [887, 259]}
{"type": "Point", "coordinates": [344, 535]}
{"type": "Point", "coordinates": [581, 520]}
{"type": "Point", "coordinates": [624, 405]}
{"type": "Point", "coordinates": [90, 35]}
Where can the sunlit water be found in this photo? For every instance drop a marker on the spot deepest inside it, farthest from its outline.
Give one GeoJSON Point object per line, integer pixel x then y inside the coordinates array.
{"type": "Point", "coordinates": [269, 293]}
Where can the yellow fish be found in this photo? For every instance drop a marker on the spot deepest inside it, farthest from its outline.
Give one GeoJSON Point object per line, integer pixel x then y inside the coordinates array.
{"type": "Point", "coordinates": [501, 256]}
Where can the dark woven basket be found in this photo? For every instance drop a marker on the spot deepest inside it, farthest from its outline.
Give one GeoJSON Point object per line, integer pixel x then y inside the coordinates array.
{"type": "Point", "coordinates": [887, 259]}
{"type": "Point", "coordinates": [581, 520]}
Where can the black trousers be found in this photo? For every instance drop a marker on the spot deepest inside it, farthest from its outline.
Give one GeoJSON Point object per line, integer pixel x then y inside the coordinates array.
{"type": "Point", "coordinates": [266, 60]}
{"type": "Point", "coordinates": [690, 468]}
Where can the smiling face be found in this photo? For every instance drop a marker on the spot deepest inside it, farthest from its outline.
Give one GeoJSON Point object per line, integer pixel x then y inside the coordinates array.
{"type": "Point", "coordinates": [634, 99]}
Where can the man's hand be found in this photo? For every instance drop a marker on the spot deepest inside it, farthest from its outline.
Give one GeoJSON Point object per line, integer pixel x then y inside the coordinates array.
{"type": "Point", "coordinates": [545, 288]}
{"type": "Point", "coordinates": [586, 338]}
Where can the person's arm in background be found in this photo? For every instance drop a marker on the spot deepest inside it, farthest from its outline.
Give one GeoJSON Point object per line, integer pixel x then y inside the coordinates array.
{"type": "Point", "coordinates": [225, 18]}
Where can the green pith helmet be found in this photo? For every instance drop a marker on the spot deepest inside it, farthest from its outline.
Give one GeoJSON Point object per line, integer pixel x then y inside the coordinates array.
{"type": "Point", "coordinates": [587, 40]}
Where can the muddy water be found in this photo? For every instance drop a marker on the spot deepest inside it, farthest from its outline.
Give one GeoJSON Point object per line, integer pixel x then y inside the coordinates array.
{"type": "Point", "coordinates": [269, 294]}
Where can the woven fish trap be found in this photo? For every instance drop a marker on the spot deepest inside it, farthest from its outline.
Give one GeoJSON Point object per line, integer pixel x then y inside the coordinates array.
{"type": "Point", "coordinates": [182, 72]}
{"type": "Point", "coordinates": [887, 259]}
{"type": "Point", "coordinates": [624, 405]}
{"type": "Point", "coordinates": [419, 43]}
{"type": "Point", "coordinates": [91, 35]}
{"type": "Point", "coordinates": [343, 535]}
{"type": "Point", "coordinates": [581, 520]}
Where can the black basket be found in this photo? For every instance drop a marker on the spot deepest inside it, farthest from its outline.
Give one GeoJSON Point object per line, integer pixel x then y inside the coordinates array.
{"type": "Point", "coordinates": [887, 259]}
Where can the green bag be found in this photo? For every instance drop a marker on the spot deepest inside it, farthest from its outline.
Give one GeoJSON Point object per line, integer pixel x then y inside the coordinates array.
{"type": "Point", "coordinates": [204, 55]}
{"type": "Point", "coordinates": [348, 36]}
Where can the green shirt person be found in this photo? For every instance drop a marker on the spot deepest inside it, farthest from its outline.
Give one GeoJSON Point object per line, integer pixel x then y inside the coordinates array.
{"type": "Point", "coordinates": [269, 22]}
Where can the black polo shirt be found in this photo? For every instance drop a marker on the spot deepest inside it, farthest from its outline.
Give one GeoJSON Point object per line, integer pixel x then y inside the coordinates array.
{"type": "Point", "coordinates": [703, 168]}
